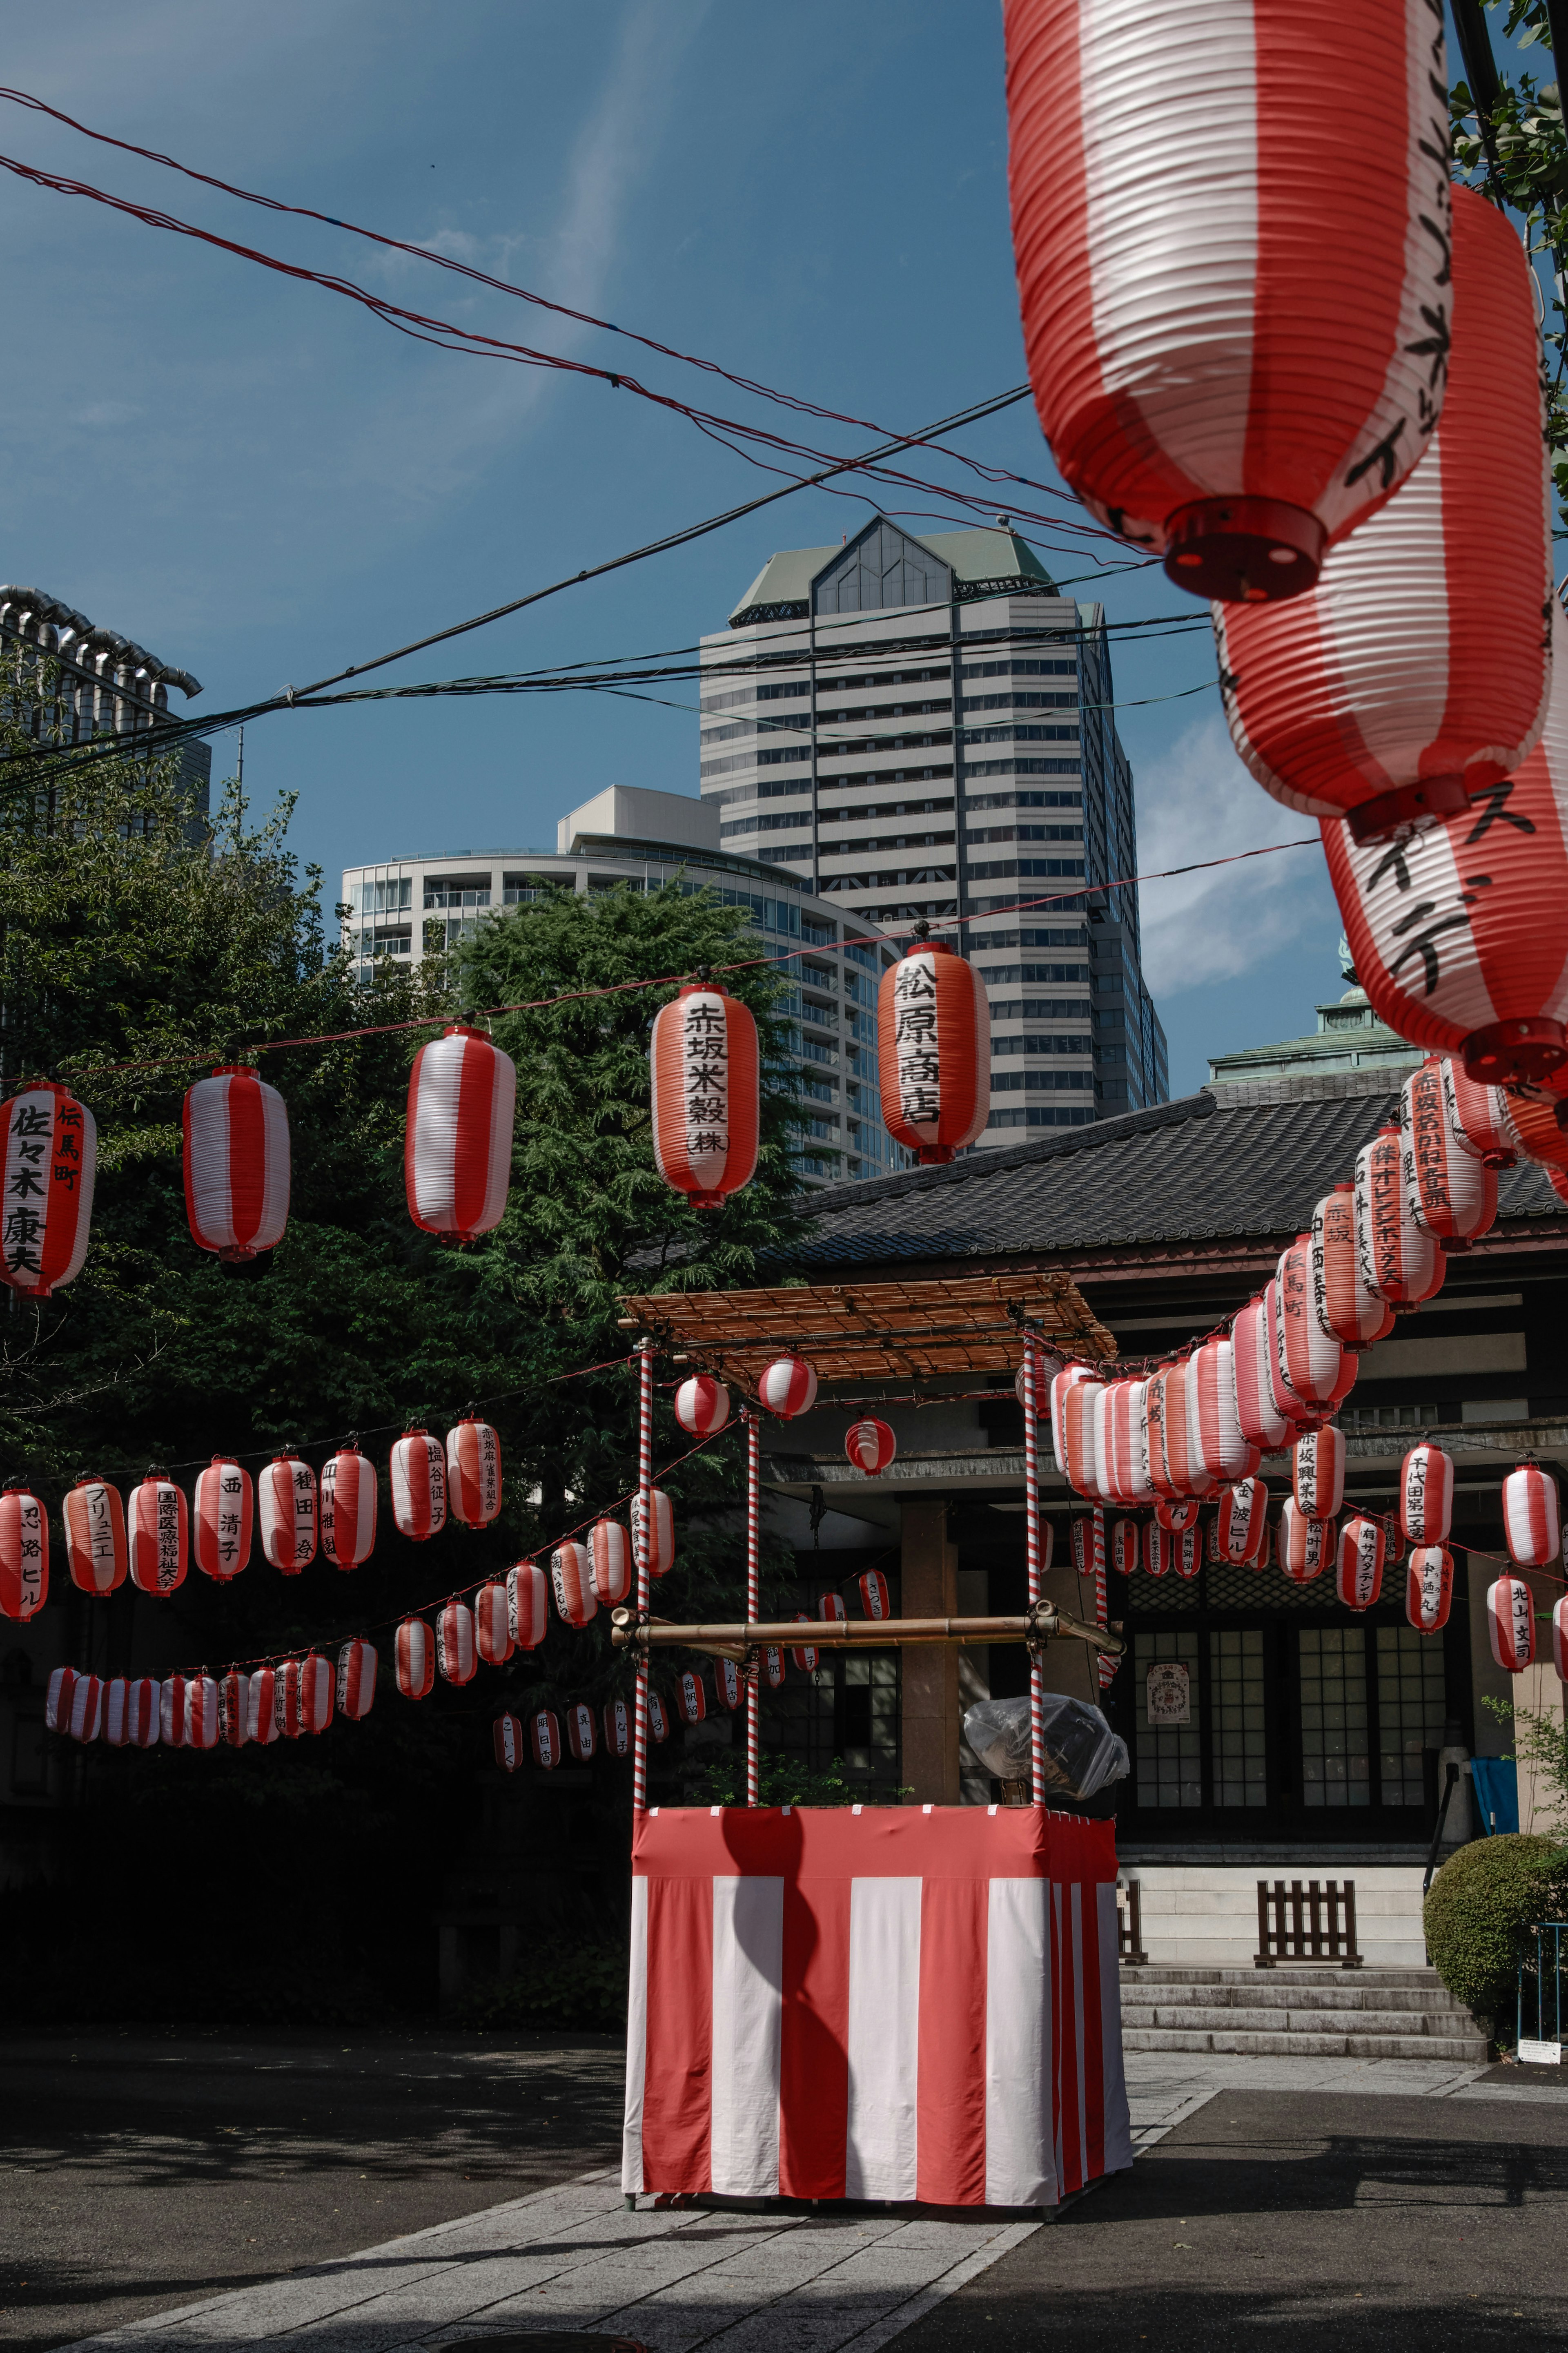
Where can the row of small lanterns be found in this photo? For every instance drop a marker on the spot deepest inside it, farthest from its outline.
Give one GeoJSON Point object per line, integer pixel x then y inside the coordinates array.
{"type": "Point", "coordinates": [787, 1387]}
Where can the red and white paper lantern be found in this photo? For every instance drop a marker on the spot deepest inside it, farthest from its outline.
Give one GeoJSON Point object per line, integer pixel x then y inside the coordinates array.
{"type": "Point", "coordinates": [73, 1704]}
{"type": "Point", "coordinates": [730, 1684]}
{"type": "Point", "coordinates": [933, 1051]}
{"type": "Point", "coordinates": [788, 1387]}
{"type": "Point", "coordinates": [349, 1504]}
{"type": "Point", "coordinates": [702, 1405]}
{"type": "Point", "coordinates": [225, 1510]}
{"type": "Point", "coordinates": [1261, 1422]}
{"type": "Point", "coordinates": [660, 1531]}
{"type": "Point", "coordinates": [692, 1698]}
{"type": "Point", "coordinates": [1080, 1540]}
{"type": "Point", "coordinates": [1530, 1516]}
{"type": "Point", "coordinates": [1173, 173]}
{"type": "Point", "coordinates": [617, 1725]}
{"type": "Point", "coordinates": [356, 1680]}
{"type": "Point", "coordinates": [1226, 1451]}
{"type": "Point", "coordinates": [1158, 1545]}
{"type": "Point", "coordinates": [172, 1711]}
{"type": "Point", "coordinates": [1348, 1309]}
{"type": "Point", "coordinates": [289, 1699]}
{"type": "Point", "coordinates": [24, 1553]}
{"type": "Point", "coordinates": [492, 1634]}
{"type": "Point", "coordinates": [609, 1562]}
{"type": "Point", "coordinates": [1047, 1365]}
{"type": "Point", "coordinates": [1559, 1638]}
{"type": "Point", "coordinates": [773, 1667]}
{"type": "Point", "coordinates": [1511, 1621]}
{"type": "Point", "coordinates": [1187, 1550]}
{"type": "Point", "coordinates": [1126, 1426]}
{"type": "Point", "coordinates": [97, 1552]}
{"type": "Point", "coordinates": [580, 1739]}
{"type": "Point", "coordinates": [1317, 1472]}
{"type": "Point", "coordinates": [233, 1708]}
{"type": "Point", "coordinates": [456, 1655]}
{"type": "Point", "coordinates": [875, 1599]}
{"type": "Point", "coordinates": [48, 1159]}
{"type": "Point", "coordinates": [1240, 1523]}
{"type": "Point", "coordinates": [456, 1157]}
{"type": "Point", "coordinates": [237, 1163]}
{"type": "Point", "coordinates": [132, 1710]}
{"type": "Point", "coordinates": [285, 1506]}
{"type": "Point", "coordinates": [830, 1608]}
{"type": "Point", "coordinates": [1312, 1366]}
{"type": "Point", "coordinates": [707, 1099]}
{"type": "Point", "coordinates": [1306, 1546]}
{"type": "Point", "coordinates": [507, 1733]}
{"type": "Point", "coordinates": [1124, 1547]}
{"type": "Point", "coordinates": [870, 1445]}
{"type": "Point", "coordinates": [473, 1473]}
{"type": "Point", "coordinates": [1067, 1445]}
{"type": "Point", "coordinates": [1429, 1587]}
{"type": "Point", "coordinates": [416, 1659]}
{"type": "Point", "coordinates": [658, 1721]}
{"type": "Point", "coordinates": [202, 1724]}
{"type": "Point", "coordinates": [1400, 1259]}
{"type": "Point", "coordinates": [159, 1531]}
{"type": "Point", "coordinates": [418, 1485]}
{"type": "Point", "coordinates": [527, 1605]}
{"type": "Point", "coordinates": [1425, 1494]}
{"type": "Point", "coordinates": [262, 1723]}
{"type": "Point", "coordinates": [544, 1738]}
{"type": "Point", "coordinates": [1176, 1513]}
{"type": "Point", "coordinates": [571, 1581]}
{"type": "Point", "coordinates": [1448, 1190]}
{"type": "Point", "coordinates": [803, 1655]}
{"type": "Point", "coordinates": [1477, 1116]}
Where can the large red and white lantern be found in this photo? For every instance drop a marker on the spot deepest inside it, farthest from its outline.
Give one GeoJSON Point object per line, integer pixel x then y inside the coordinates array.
{"type": "Point", "coordinates": [1317, 1472]}
{"type": "Point", "coordinates": [507, 1738]}
{"type": "Point", "coordinates": [544, 1739]}
{"type": "Point", "coordinates": [1358, 1577]}
{"type": "Point", "coordinates": [492, 1634]}
{"type": "Point", "coordinates": [1240, 1521]}
{"type": "Point", "coordinates": [1348, 1309]}
{"type": "Point", "coordinates": [1530, 1516]}
{"type": "Point", "coordinates": [1126, 1437]}
{"type": "Point", "coordinates": [286, 1507]}
{"type": "Point", "coordinates": [132, 1710]}
{"type": "Point", "coordinates": [1416, 674]}
{"type": "Point", "coordinates": [1425, 1494]}
{"type": "Point", "coordinates": [1559, 1638]}
{"type": "Point", "coordinates": [870, 1445]}
{"type": "Point", "coordinates": [1539, 1124]}
{"type": "Point", "coordinates": [1400, 1261]}
{"type": "Point", "coordinates": [1477, 1116]}
{"type": "Point", "coordinates": [356, 1679]}
{"type": "Point", "coordinates": [473, 1473]}
{"type": "Point", "coordinates": [97, 1552]}
{"type": "Point", "coordinates": [1227, 1452]}
{"type": "Point", "coordinates": [48, 1159]}
{"type": "Point", "coordinates": [609, 1562]}
{"type": "Point", "coordinates": [237, 1163]}
{"type": "Point", "coordinates": [788, 1387]}
{"type": "Point", "coordinates": [527, 1605]}
{"type": "Point", "coordinates": [172, 1711]}
{"type": "Point", "coordinates": [804, 1654]}
{"type": "Point", "coordinates": [225, 1509]}
{"type": "Point", "coordinates": [202, 1724]}
{"type": "Point", "coordinates": [707, 1094]}
{"type": "Point", "coordinates": [1176, 1513]}
{"type": "Point", "coordinates": [877, 1602]}
{"type": "Point", "coordinates": [580, 1739]}
{"type": "Point", "coordinates": [1313, 1366]}
{"type": "Point", "coordinates": [159, 1530]}
{"type": "Point", "coordinates": [692, 1698]}
{"type": "Point", "coordinates": [618, 1720]}
{"type": "Point", "coordinates": [1511, 1621]}
{"type": "Point", "coordinates": [262, 1721]}
{"type": "Point", "coordinates": [418, 1485]}
{"type": "Point", "coordinates": [233, 1708]}
{"type": "Point", "coordinates": [1306, 1546]}
{"type": "Point", "coordinates": [571, 1578]}
{"type": "Point", "coordinates": [456, 1153]}
{"type": "Point", "coordinates": [416, 1659]}
{"type": "Point", "coordinates": [24, 1553]}
{"type": "Point", "coordinates": [1252, 1360]}
{"type": "Point", "coordinates": [1456, 934]}
{"type": "Point", "coordinates": [660, 1538]}
{"type": "Point", "coordinates": [1446, 1189]}
{"type": "Point", "coordinates": [934, 1051]}
{"type": "Point", "coordinates": [1429, 1587]}
{"type": "Point", "coordinates": [456, 1655]}
{"type": "Point", "coordinates": [349, 1505]}
{"type": "Point", "coordinates": [1066, 1445]}
{"type": "Point", "coordinates": [702, 1405]}
{"type": "Point", "coordinates": [73, 1704]}
{"type": "Point", "coordinates": [1173, 173]}
{"type": "Point", "coordinates": [1047, 1365]}
{"type": "Point", "coordinates": [1158, 1542]}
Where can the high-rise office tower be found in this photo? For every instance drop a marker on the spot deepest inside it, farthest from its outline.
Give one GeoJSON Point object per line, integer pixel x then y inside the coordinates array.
{"type": "Point", "coordinates": [924, 727]}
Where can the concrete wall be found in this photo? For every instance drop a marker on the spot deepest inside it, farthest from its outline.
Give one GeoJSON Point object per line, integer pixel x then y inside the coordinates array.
{"type": "Point", "coordinates": [1206, 1914]}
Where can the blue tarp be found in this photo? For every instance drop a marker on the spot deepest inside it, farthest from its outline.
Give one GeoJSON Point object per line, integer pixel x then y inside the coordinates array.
{"type": "Point", "coordinates": [1497, 1793]}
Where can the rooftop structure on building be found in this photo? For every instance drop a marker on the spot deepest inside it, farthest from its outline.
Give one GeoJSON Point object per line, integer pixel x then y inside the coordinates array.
{"type": "Point", "coordinates": [921, 727]}
{"type": "Point", "coordinates": [628, 836]}
{"type": "Point", "coordinates": [106, 685]}
{"type": "Point", "coordinates": [1349, 1037]}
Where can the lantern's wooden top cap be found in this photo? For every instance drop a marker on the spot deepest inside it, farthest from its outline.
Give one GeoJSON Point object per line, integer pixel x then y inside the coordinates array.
{"type": "Point", "coordinates": [861, 1330]}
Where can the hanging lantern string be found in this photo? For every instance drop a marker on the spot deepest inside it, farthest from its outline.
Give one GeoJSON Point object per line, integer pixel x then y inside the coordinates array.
{"type": "Point", "coordinates": [671, 979]}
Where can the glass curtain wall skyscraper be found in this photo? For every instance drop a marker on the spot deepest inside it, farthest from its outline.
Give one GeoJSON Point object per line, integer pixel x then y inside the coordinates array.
{"type": "Point", "coordinates": [924, 727]}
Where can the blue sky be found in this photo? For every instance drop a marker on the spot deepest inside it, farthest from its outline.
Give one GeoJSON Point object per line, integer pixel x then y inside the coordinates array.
{"type": "Point", "coordinates": [262, 483]}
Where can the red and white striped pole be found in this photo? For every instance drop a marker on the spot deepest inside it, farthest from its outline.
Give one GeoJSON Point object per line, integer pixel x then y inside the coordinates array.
{"type": "Point", "coordinates": [643, 1540]}
{"type": "Point", "coordinates": [1107, 1666]}
{"type": "Point", "coordinates": [753, 1595]}
{"type": "Point", "coordinates": [1032, 1546]}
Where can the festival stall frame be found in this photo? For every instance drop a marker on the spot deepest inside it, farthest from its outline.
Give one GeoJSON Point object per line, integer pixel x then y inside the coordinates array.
{"type": "Point", "coordinates": [914, 2004]}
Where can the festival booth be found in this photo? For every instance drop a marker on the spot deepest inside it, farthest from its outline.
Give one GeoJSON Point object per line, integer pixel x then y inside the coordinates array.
{"type": "Point", "coordinates": [912, 2003]}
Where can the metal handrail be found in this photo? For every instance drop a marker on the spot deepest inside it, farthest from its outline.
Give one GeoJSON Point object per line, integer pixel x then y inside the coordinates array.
{"type": "Point", "coordinates": [1542, 1931]}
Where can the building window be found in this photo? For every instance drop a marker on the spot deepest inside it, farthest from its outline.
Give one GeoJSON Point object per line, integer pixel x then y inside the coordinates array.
{"type": "Point", "coordinates": [1237, 1756]}
{"type": "Point", "coordinates": [1336, 1762]}
{"type": "Point", "coordinates": [1170, 1758]}
{"type": "Point", "coordinates": [1412, 1709]}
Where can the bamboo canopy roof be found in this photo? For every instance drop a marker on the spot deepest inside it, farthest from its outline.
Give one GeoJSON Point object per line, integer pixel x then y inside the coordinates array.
{"type": "Point", "coordinates": [861, 1330]}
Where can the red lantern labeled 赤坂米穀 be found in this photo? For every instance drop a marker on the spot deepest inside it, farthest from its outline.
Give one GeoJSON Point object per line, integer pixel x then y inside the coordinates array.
{"type": "Point", "coordinates": [705, 1071]}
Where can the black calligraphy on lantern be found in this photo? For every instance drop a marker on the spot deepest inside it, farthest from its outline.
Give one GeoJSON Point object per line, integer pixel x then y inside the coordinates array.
{"type": "Point", "coordinates": [916, 1042]}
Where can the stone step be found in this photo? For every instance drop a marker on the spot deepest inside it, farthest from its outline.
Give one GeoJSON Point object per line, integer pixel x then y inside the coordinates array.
{"type": "Point", "coordinates": [1464, 2049]}
{"type": "Point", "coordinates": [1263, 1991]}
{"type": "Point", "coordinates": [1325, 1973]}
{"type": "Point", "coordinates": [1184, 2017]}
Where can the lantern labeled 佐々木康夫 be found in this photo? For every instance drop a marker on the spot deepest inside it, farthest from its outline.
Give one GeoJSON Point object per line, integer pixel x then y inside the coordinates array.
{"type": "Point", "coordinates": [934, 1051]}
{"type": "Point", "coordinates": [237, 1163]}
{"type": "Point", "coordinates": [48, 1161]}
{"type": "Point", "coordinates": [418, 1485]}
{"type": "Point", "coordinates": [870, 1445]}
{"type": "Point", "coordinates": [457, 1160]}
{"type": "Point", "coordinates": [97, 1552]}
{"type": "Point", "coordinates": [1530, 1516]}
{"type": "Point", "coordinates": [224, 1506]}
{"type": "Point", "coordinates": [286, 1507]}
{"type": "Point", "coordinates": [24, 1553]}
{"type": "Point", "coordinates": [788, 1387]}
{"type": "Point", "coordinates": [1227, 301]}
{"type": "Point", "coordinates": [473, 1473]}
{"type": "Point", "coordinates": [1511, 1621]}
{"type": "Point", "coordinates": [349, 1505]}
{"type": "Point", "coordinates": [706, 1077]}
{"type": "Point", "coordinates": [702, 1405]}
{"type": "Point", "coordinates": [158, 1526]}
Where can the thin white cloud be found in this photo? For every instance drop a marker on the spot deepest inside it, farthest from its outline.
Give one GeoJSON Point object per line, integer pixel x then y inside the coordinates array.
{"type": "Point", "coordinates": [1197, 801]}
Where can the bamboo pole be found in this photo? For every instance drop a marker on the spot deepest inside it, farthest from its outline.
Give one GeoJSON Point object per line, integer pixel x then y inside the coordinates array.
{"type": "Point", "coordinates": [1044, 1623]}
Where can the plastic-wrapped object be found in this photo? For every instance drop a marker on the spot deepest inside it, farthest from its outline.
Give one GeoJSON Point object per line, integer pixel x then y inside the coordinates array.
{"type": "Point", "coordinates": [1082, 1753]}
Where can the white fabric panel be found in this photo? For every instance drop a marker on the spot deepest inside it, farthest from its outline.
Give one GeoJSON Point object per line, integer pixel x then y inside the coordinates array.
{"type": "Point", "coordinates": [748, 2011]}
{"type": "Point", "coordinates": [1118, 2128]}
{"type": "Point", "coordinates": [636, 2040]}
{"type": "Point", "coordinates": [884, 2037]}
{"type": "Point", "coordinates": [1075, 2105]}
{"type": "Point", "coordinates": [1017, 2045]}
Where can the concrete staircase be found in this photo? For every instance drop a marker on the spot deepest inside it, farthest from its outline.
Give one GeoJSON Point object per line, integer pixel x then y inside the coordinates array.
{"type": "Point", "coordinates": [1297, 2012]}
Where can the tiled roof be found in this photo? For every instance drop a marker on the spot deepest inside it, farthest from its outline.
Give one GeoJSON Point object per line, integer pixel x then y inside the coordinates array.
{"type": "Point", "coordinates": [1198, 1170]}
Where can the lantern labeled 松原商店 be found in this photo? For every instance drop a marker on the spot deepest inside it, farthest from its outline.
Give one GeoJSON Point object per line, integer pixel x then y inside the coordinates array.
{"type": "Point", "coordinates": [24, 1553]}
{"type": "Point", "coordinates": [286, 1507]}
{"type": "Point", "coordinates": [473, 1471]}
{"type": "Point", "coordinates": [457, 1160]}
{"type": "Point", "coordinates": [48, 1160]}
{"type": "Point", "coordinates": [934, 1051]}
{"type": "Point", "coordinates": [237, 1163]}
{"type": "Point", "coordinates": [224, 1506]}
{"type": "Point", "coordinates": [349, 1505]}
{"type": "Point", "coordinates": [706, 1075]}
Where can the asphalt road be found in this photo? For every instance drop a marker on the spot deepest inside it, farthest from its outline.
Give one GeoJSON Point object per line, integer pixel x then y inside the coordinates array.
{"type": "Point", "coordinates": [1294, 2221]}
{"type": "Point", "coordinates": [144, 2169]}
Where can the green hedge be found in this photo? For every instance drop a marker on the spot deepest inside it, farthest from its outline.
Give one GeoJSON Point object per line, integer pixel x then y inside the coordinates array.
{"type": "Point", "coordinates": [1482, 1902]}
{"type": "Point", "coordinates": [581, 1985]}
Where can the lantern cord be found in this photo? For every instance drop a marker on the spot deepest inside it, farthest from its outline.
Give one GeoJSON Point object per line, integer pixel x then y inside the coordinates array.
{"type": "Point", "coordinates": [1107, 1666]}
{"type": "Point", "coordinates": [753, 1596]}
{"type": "Point", "coordinates": [642, 1550]}
{"type": "Point", "coordinates": [674, 979]}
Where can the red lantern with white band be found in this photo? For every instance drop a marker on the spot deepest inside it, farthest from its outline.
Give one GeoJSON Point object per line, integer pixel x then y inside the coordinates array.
{"type": "Point", "coordinates": [580, 1740]}
{"type": "Point", "coordinates": [875, 1599]}
{"type": "Point", "coordinates": [317, 1689]}
{"type": "Point", "coordinates": [572, 1577]}
{"type": "Point", "coordinates": [492, 1634]}
{"type": "Point", "coordinates": [73, 1704]}
{"type": "Point", "coordinates": [356, 1680]}
{"type": "Point", "coordinates": [473, 1473]}
{"type": "Point", "coordinates": [1447, 1189]}
{"type": "Point", "coordinates": [225, 1509]}
{"type": "Point", "coordinates": [1072, 1406]}
{"type": "Point", "coordinates": [1429, 1588]}
{"type": "Point", "coordinates": [773, 1667]}
{"type": "Point", "coordinates": [416, 1659]}
{"type": "Point", "coordinates": [870, 1445]}
{"type": "Point", "coordinates": [1477, 1116]}
{"type": "Point", "coordinates": [1306, 1546]}
{"type": "Point", "coordinates": [418, 1485]}
{"type": "Point", "coordinates": [262, 1723]}
{"type": "Point", "coordinates": [24, 1554]}
{"type": "Point", "coordinates": [544, 1739]}
{"type": "Point", "coordinates": [1260, 1418]}
{"type": "Point", "coordinates": [1559, 1638]}
{"type": "Point", "coordinates": [831, 1609]}
{"type": "Point", "coordinates": [172, 1712]}
{"type": "Point", "coordinates": [702, 1405]}
{"type": "Point", "coordinates": [661, 1531]}
{"type": "Point", "coordinates": [1227, 1452]}
{"type": "Point", "coordinates": [506, 1735]}
{"type": "Point", "coordinates": [1061, 1386]}
{"type": "Point", "coordinates": [349, 1505]}
{"type": "Point", "coordinates": [233, 1708]}
{"type": "Point", "coordinates": [457, 1158]}
{"type": "Point", "coordinates": [729, 1684]}
{"type": "Point", "coordinates": [1124, 1547]}
{"type": "Point", "coordinates": [1240, 1521]}
{"type": "Point", "coordinates": [48, 1160]}
{"type": "Point", "coordinates": [934, 1051]}
{"type": "Point", "coordinates": [1158, 1542]}
{"type": "Point", "coordinates": [133, 1711]}
{"type": "Point", "coordinates": [201, 1713]}
{"type": "Point", "coordinates": [1425, 1496]}
{"type": "Point", "coordinates": [804, 1654]}
{"type": "Point", "coordinates": [618, 1723]}
{"type": "Point", "coordinates": [788, 1387]}
{"type": "Point", "coordinates": [1358, 1573]}
{"type": "Point", "coordinates": [1317, 1472]}
{"type": "Point", "coordinates": [285, 1506]}
{"type": "Point", "coordinates": [1174, 172]}
{"type": "Point", "coordinates": [1348, 1309]}
{"type": "Point", "coordinates": [1312, 1368]}
{"type": "Point", "coordinates": [97, 1552]}
{"type": "Point", "coordinates": [456, 1655]}
{"type": "Point", "coordinates": [237, 1163]}
{"type": "Point", "coordinates": [692, 1698]}
{"type": "Point", "coordinates": [1187, 1551]}
{"type": "Point", "coordinates": [1530, 1516]}
{"type": "Point", "coordinates": [159, 1531]}
{"type": "Point", "coordinates": [1400, 1259]}
{"type": "Point", "coordinates": [527, 1605]}
{"type": "Point", "coordinates": [706, 1077]}
{"type": "Point", "coordinates": [1176, 1514]}
{"type": "Point", "coordinates": [609, 1562]}
{"type": "Point", "coordinates": [1511, 1621]}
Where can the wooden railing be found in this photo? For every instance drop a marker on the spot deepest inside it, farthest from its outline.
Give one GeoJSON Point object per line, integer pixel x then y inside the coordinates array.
{"type": "Point", "coordinates": [1306, 1924]}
